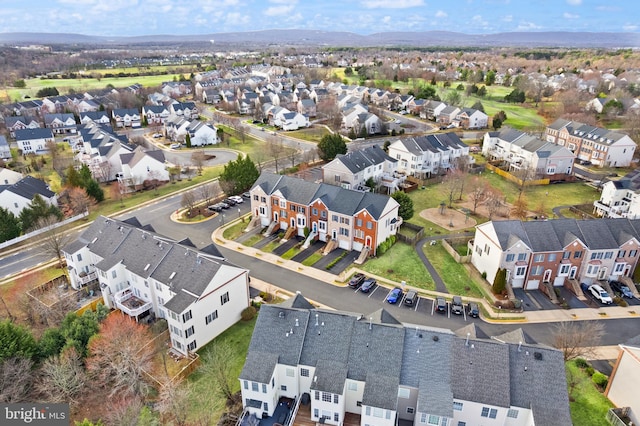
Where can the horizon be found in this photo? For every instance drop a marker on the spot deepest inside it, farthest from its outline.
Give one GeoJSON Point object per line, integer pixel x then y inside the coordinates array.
{"type": "Point", "coordinates": [361, 17]}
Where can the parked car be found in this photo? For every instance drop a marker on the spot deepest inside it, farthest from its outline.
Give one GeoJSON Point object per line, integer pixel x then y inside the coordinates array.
{"type": "Point", "coordinates": [224, 205]}
{"type": "Point", "coordinates": [441, 305]}
{"type": "Point", "coordinates": [357, 280]}
{"type": "Point", "coordinates": [246, 194]}
{"type": "Point", "coordinates": [157, 135]}
{"type": "Point", "coordinates": [367, 285]}
{"type": "Point", "coordinates": [599, 293]}
{"type": "Point", "coordinates": [238, 199]}
{"type": "Point", "coordinates": [175, 146]}
{"type": "Point", "coordinates": [394, 295]}
{"type": "Point", "coordinates": [474, 310]}
{"type": "Point", "coordinates": [456, 305]}
{"type": "Point", "coordinates": [621, 288]}
{"type": "Point", "coordinates": [229, 201]}
{"type": "Point", "coordinates": [411, 298]}
{"type": "Point", "coordinates": [215, 208]}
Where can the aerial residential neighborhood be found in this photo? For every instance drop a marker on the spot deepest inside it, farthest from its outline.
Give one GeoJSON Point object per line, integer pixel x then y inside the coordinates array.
{"type": "Point", "coordinates": [362, 224]}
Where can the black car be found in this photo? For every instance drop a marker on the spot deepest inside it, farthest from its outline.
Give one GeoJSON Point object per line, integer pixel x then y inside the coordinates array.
{"type": "Point", "coordinates": [224, 205]}
{"type": "Point", "coordinates": [474, 311]}
{"type": "Point", "coordinates": [621, 288]}
{"type": "Point", "coordinates": [357, 280]}
{"type": "Point", "coordinates": [411, 299]}
{"type": "Point", "coordinates": [456, 305]}
{"type": "Point", "coordinates": [215, 208]}
{"type": "Point", "coordinates": [441, 305]}
{"type": "Point", "coordinates": [368, 285]}
{"type": "Point", "coordinates": [230, 201]}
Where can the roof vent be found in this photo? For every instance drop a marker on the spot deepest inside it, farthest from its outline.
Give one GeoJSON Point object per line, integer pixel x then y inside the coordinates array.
{"type": "Point", "coordinates": [147, 267]}
{"type": "Point", "coordinates": [297, 323]}
{"type": "Point", "coordinates": [435, 338]}
{"type": "Point", "coordinates": [281, 314]}
{"type": "Point", "coordinates": [173, 274]}
{"type": "Point", "coordinates": [538, 356]}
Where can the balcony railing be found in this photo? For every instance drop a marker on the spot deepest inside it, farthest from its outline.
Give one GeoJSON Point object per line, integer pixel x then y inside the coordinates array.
{"type": "Point", "coordinates": [129, 303]}
{"type": "Point", "coordinates": [84, 279]}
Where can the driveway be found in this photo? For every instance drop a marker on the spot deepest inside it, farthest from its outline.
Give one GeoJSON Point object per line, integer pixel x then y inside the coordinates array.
{"type": "Point", "coordinates": [284, 247]}
{"type": "Point", "coordinates": [315, 246]}
{"type": "Point", "coordinates": [330, 257]}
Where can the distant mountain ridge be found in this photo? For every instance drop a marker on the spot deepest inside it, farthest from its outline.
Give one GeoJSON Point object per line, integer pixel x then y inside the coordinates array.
{"type": "Point", "coordinates": [348, 39]}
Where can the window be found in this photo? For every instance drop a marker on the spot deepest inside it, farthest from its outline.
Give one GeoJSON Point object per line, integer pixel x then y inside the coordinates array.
{"type": "Point", "coordinates": [186, 316]}
{"type": "Point", "coordinates": [633, 253]}
{"type": "Point", "coordinates": [336, 398]}
{"type": "Point", "coordinates": [551, 257]}
{"type": "Point", "coordinates": [433, 420]}
{"type": "Point", "coordinates": [315, 413]}
{"type": "Point", "coordinates": [619, 267]}
{"type": "Point", "coordinates": [597, 255]}
{"type": "Point", "coordinates": [462, 423]}
{"type": "Point", "coordinates": [323, 214]}
{"type": "Point", "coordinates": [283, 388]}
{"type": "Point", "coordinates": [352, 386]}
{"type": "Point", "coordinates": [486, 248]}
{"type": "Point", "coordinates": [369, 224]}
{"type": "Point", "coordinates": [521, 271]}
{"type": "Point", "coordinates": [538, 258]}
{"type": "Point", "coordinates": [264, 388]}
{"type": "Point", "coordinates": [410, 410]}
{"type": "Point", "coordinates": [317, 396]}
{"type": "Point", "coordinates": [566, 255]}
{"type": "Point", "coordinates": [114, 273]}
{"type": "Point", "coordinates": [344, 231]}
{"type": "Point", "coordinates": [368, 410]}
{"type": "Point", "coordinates": [263, 199]}
{"type": "Point", "coordinates": [577, 254]}
{"type": "Point", "coordinates": [266, 407]}
{"type": "Point", "coordinates": [377, 412]}
{"type": "Point", "coordinates": [246, 385]}
{"type": "Point", "coordinates": [192, 346]}
{"type": "Point", "coordinates": [621, 253]}
{"type": "Point", "coordinates": [537, 270]}
{"type": "Point", "coordinates": [212, 316]}
{"type": "Point", "coordinates": [489, 412]}
{"type": "Point", "coordinates": [564, 269]}
{"type": "Point", "coordinates": [336, 417]}
{"type": "Point", "coordinates": [224, 298]}
{"type": "Point", "coordinates": [189, 332]}
{"type": "Point", "coordinates": [334, 218]}
{"type": "Point", "coordinates": [304, 372]}
{"type": "Point", "coordinates": [512, 413]}
{"type": "Point", "coordinates": [254, 386]}
{"type": "Point", "coordinates": [314, 211]}
{"type": "Point", "coordinates": [457, 406]}
{"type": "Point", "coordinates": [608, 255]}
{"type": "Point", "coordinates": [510, 257]}
{"type": "Point", "coordinates": [592, 270]}
{"type": "Point", "coordinates": [522, 257]}
{"type": "Point", "coordinates": [79, 257]}
{"type": "Point", "coordinates": [326, 397]}
{"type": "Point", "coordinates": [403, 393]}
{"type": "Point", "coordinates": [291, 372]}
{"type": "Point", "coordinates": [358, 222]}
{"type": "Point", "coordinates": [423, 417]}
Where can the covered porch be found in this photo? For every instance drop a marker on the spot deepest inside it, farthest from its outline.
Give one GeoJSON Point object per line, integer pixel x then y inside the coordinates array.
{"type": "Point", "coordinates": [130, 304]}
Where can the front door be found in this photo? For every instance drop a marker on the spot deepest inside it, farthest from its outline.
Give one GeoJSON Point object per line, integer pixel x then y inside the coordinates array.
{"type": "Point", "coordinates": [334, 234]}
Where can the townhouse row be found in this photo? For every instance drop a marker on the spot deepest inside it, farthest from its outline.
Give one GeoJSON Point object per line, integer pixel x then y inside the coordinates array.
{"type": "Point", "coordinates": [553, 251]}
{"type": "Point", "coordinates": [143, 274]}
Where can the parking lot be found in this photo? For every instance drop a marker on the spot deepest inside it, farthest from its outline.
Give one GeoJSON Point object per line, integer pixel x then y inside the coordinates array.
{"type": "Point", "coordinates": [423, 305]}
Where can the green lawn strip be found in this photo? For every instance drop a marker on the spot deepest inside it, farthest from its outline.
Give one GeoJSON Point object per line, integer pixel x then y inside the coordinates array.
{"type": "Point", "coordinates": [238, 337]}
{"type": "Point", "coordinates": [234, 231]}
{"type": "Point", "coordinates": [271, 246]}
{"type": "Point", "coordinates": [310, 134]}
{"type": "Point", "coordinates": [401, 263]}
{"type": "Point", "coordinates": [253, 240]}
{"type": "Point", "coordinates": [588, 406]}
{"type": "Point", "coordinates": [288, 255]}
{"type": "Point", "coordinates": [309, 261]}
{"type": "Point", "coordinates": [455, 276]}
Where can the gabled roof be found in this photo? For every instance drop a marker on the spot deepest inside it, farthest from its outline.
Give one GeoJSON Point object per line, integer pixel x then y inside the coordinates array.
{"type": "Point", "coordinates": [357, 161]}
{"type": "Point", "coordinates": [28, 134]}
{"type": "Point", "coordinates": [28, 187]}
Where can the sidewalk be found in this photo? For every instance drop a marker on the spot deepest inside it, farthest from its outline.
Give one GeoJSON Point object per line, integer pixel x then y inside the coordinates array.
{"type": "Point", "coordinates": [542, 316]}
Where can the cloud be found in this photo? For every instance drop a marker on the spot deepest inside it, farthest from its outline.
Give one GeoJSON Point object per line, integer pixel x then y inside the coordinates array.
{"type": "Point", "coordinates": [397, 4]}
{"type": "Point", "coordinates": [386, 19]}
{"type": "Point", "coordinates": [574, 2]}
{"type": "Point", "coordinates": [284, 7]}
{"type": "Point", "coordinates": [568, 15]}
{"type": "Point", "coordinates": [441, 14]}
{"type": "Point", "coordinates": [527, 26]}
{"type": "Point", "coordinates": [630, 27]}
{"type": "Point", "coordinates": [507, 18]}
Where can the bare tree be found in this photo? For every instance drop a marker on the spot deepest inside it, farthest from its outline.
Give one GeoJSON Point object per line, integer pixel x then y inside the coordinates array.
{"type": "Point", "coordinates": [519, 208]}
{"type": "Point", "coordinates": [53, 238]}
{"type": "Point", "coordinates": [452, 183]}
{"type": "Point", "coordinates": [275, 150]}
{"type": "Point", "coordinates": [76, 201]}
{"type": "Point", "coordinates": [174, 402]}
{"type": "Point", "coordinates": [207, 192]}
{"type": "Point", "coordinates": [241, 131]}
{"type": "Point", "coordinates": [198, 159]}
{"type": "Point", "coordinates": [217, 366]}
{"type": "Point", "coordinates": [577, 339]}
{"type": "Point", "coordinates": [124, 410]}
{"type": "Point", "coordinates": [525, 175]}
{"type": "Point", "coordinates": [189, 201]}
{"type": "Point", "coordinates": [104, 169]}
{"type": "Point", "coordinates": [119, 355]}
{"type": "Point", "coordinates": [477, 192]}
{"type": "Point", "coordinates": [16, 378]}
{"type": "Point", "coordinates": [61, 159]}
{"type": "Point", "coordinates": [494, 202]}
{"type": "Point", "coordinates": [62, 377]}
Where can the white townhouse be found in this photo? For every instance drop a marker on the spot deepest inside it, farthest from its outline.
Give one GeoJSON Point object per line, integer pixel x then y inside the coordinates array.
{"type": "Point", "coordinates": [470, 118]}
{"type": "Point", "coordinates": [522, 151]}
{"type": "Point", "coordinates": [16, 196]}
{"type": "Point", "coordinates": [140, 165]}
{"type": "Point", "coordinates": [98, 117]}
{"type": "Point", "coordinates": [60, 124]}
{"type": "Point", "coordinates": [187, 110]}
{"type": "Point", "coordinates": [602, 147]}
{"type": "Point", "coordinates": [307, 365]}
{"type": "Point", "coordinates": [155, 114]}
{"type": "Point", "coordinates": [202, 133]}
{"type": "Point", "coordinates": [425, 156]}
{"type": "Point", "coordinates": [620, 198]}
{"type": "Point", "coordinates": [126, 117]}
{"type": "Point", "coordinates": [142, 273]}
{"type": "Point", "coordinates": [353, 169]}
{"type": "Point", "coordinates": [5, 150]}
{"type": "Point", "coordinates": [9, 177]}
{"type": "Point", "coordinates": [33, 140]}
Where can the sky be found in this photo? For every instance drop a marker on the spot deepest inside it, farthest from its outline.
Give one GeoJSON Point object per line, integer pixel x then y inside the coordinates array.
{"type": "Point", "coordinates": [185, 17]}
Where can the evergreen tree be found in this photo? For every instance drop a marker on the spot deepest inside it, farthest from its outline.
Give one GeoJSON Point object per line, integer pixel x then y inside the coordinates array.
{"type": "Point", "coordinates": [330, 146]}
{"type": "Point", "coordinates": [405, 211]}
{"type": "Point", "coordinates": [93, 190]}
{"type": "Point", "coordinates": [16, 341]}
{"type": "Point", "coordinates": [500, 281]}
{"type": "Point", "coordinates": [37, 208]}
{"type": "Point", "coordinates": [9, 225]}
{"type": "Point", "coordinates": [239, 175]}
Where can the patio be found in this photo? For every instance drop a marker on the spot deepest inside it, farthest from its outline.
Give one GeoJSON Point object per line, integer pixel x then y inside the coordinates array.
{"type": "Point", "coordinates": [304, 417]}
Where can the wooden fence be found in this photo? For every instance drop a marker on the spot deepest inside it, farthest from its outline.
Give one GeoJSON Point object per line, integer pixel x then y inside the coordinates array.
{"type": "Point", "coordinates": [419, 233]}
{"type": "Point", "coordinates": [515, 179]}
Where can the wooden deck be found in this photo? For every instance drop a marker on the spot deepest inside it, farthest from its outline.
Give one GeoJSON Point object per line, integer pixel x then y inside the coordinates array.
{"type": "Point", "coordinates": [304, 418]}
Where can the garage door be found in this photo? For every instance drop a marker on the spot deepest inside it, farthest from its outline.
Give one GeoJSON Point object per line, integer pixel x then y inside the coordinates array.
{"type": "Point", "coordinates": [532, 285]}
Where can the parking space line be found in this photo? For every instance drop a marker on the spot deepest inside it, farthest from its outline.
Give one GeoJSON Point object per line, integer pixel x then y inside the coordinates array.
{"type": "Point", "coordinates": [433, 306]}
{"type": "Point", "coordinates": [373, 291]}
{"type": "Point", "coordinates": [357, 289]}
{"type": "Point", "coordinates": [417, 302]}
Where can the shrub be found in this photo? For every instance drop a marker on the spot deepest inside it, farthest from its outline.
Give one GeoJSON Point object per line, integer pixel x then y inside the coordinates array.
{"type": "Point", "coordinates": [248, 313]}
{"type": "Point", "coordinates": [484, 275]}
{"type": "Point", "coordinates": [581, 363]}
{"type": "Point", "coordinates": [590, 370]}
{"type": "Point", "coordinates": [600, 379]}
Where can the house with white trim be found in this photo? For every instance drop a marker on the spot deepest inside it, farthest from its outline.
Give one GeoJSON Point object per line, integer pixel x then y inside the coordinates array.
{"type": "Point", "coordinates": [33, 140]}
{"type": "Point", "coordinates": [620, 198]}
{"type": "Point", "coordinates": [306, 364]}
{"type": "Point", "coordinates": [16, 196]}
{"type": "Point", "coordinates": [140, 165]}
{"type": "Point", "coordinates": [126, 117]}
{"type": "Point", "coordinates": [621, 385]}
{"type": "Point", "coordinates": [426, 156]}
{"type": "Point", "coordinates": [142, 273]}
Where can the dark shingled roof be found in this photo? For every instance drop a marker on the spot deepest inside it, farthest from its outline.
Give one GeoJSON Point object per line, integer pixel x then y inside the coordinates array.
{"type": "Point", "coordinates": [381, 391]}
{"type": "Point", "coordinates": [329, 376]}
{"type": "Point", "coordinates": [297, 302]}
{"type": "Point", "coordinates": [28, 187]}
{"type": "Point", "coordinates": [357, 161]}
{"type": "Point", "coordinates": [259, 367]}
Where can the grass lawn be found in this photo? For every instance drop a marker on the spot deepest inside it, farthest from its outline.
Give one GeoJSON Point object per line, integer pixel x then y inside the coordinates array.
{"type": "Point", "coordinates": [288, 255]}
{"type": "Point", "coordinates": [203, 395]}
{"type": "Point", "coordinates": [455, 276]}
{"type": "Point", "coordinates": [309, 261]}
{"type": "Point", "coordinates": [310, 134]}
{"type": "Point", "coordinates": [588, 405]}
{"type": "Point", "coordinates": [234, 231]}
{"type": "Point", "coordinates": [251, 241]}
{"type": "Point", "coordinates": [401, 263]}
{"type": "Point", "coordinates": [271, 246]}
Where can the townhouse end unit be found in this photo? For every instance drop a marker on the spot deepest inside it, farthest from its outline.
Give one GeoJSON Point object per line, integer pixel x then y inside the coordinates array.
{"type": "Point", "coordinates": [353, 220]}
{"type": "Point", "coordinates": [142, 273]}
{"type": "Point", "coordinates": [310, 366]}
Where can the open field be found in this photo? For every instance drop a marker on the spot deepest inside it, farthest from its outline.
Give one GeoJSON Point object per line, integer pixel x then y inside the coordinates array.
{"type": "Point", "coordinates": [310, 134]}
{"type": "Point", "coordinates": [401, 263]}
